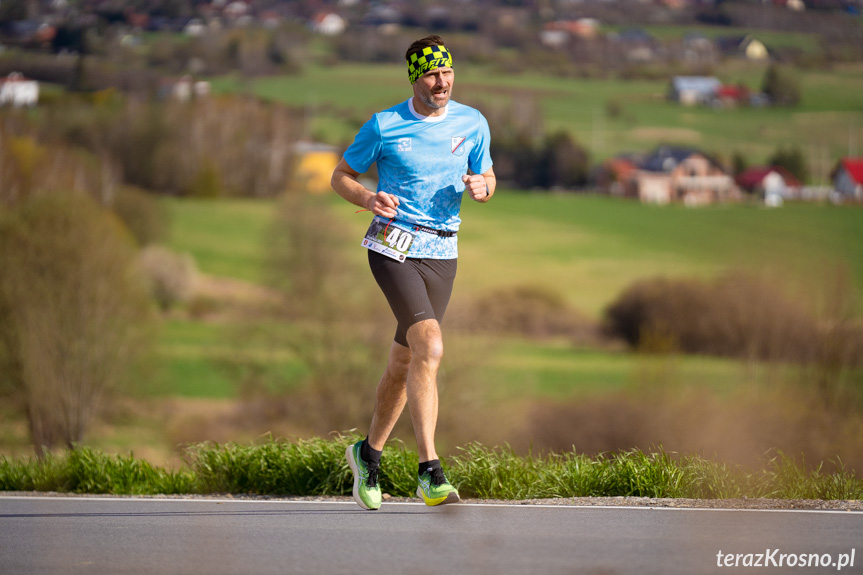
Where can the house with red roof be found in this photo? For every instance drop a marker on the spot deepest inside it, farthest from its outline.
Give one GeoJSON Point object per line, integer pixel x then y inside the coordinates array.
{"type": "Point", "coordinates": [616, 176]}
{"type": "Point", "coordinates": [328, 23]}
{"type": "Point", "coordinates": [769, 181]}
{"type": "Point", "coordinates": [729, 95]}
{"type": "Point", "coordinates": [848, 178]}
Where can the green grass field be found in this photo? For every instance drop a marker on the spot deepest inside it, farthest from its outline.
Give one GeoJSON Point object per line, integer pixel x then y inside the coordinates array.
{"type": "Point", "coordinates": [225, 237]}
{"type": "Point", "coordinates": [556, 370]}
{"type": "Point", "coordinates": [586, 248]}
{"type": "Point", "coordinates": [589, 248]}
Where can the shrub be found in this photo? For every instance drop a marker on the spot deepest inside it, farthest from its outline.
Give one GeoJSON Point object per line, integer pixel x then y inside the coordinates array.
{"type": "Point", "coordinates": [792, 159]}
{"type": "Point", "coordinates": [738, 315]}
{"type": "Point", "coordinates": [781, 86]}
{"type": "Point", "coordinates": [528, 310]}
{"type": "Point", "coordinates": [142, 213]}
{"type": "Point", "coordinates": [171, 276]}
{"type": "Point", "coordinates": [74, 314]}
{"type": "Point", "coordinates": [206, 184]}
{"type": "Point", "coordinates": [331, 329]}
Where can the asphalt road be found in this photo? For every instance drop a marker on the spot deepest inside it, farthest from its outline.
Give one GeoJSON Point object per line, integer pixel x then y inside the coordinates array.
{"type": "Point", "coordinates": [60, 535]}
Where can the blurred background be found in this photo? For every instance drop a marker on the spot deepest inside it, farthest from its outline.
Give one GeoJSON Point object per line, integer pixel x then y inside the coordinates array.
{"type": "Point", "coordinates": [674, 256]}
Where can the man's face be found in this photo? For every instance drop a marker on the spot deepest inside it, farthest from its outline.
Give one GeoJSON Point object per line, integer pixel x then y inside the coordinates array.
{"type": "Point", "coordinates": [434, 88]}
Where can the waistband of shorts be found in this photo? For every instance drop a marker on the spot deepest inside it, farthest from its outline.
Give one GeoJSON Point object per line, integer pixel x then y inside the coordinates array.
{"type": "Point", "coordinates": [428, 230]}
{"type": "Point", "coordinates": [420, 228]}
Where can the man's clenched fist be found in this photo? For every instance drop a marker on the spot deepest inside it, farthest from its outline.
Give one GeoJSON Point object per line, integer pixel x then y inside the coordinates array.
{"type": "Point", "coordinates": [477, 187]}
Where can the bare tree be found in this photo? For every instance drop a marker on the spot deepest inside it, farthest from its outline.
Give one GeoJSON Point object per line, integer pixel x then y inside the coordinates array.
{"type": "Point", "coordinates": [74, 312]}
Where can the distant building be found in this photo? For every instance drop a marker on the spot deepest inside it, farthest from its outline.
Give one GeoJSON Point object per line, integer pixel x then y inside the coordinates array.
{"type": "Point", "coordinates": [558, 33]}
{"type": "Point", "coordinates": [183, 89]}
{"type": "Point", "coordinates": [328, 23]}
{"type": "Point", "coordinates": [692, 90]}
{"type": "Point", "coordinates": [581, 27]}
{"type": "Point", "coordinates": [29, 33]}
{"type": "Point", "coordinates": [637, 45]}
{"type": "Point", "coordinates": [552, 38]}
{"type": "Point", "coordinates": [730, 95]}
{"type": "Point", "coordinates": [195, 28]}
{"type": "Point", "coordinates": [848, 178]}
{"type": "Point", "coordinates": [18, 91]}
{"type": "Point", "coordinates": [697, 48]}
{"type": "Point", "coordinates": [316, 165]}
{"type": "Point", "coordinates": [793, 5]}
{"type": "Point", "coordinates": [672, 174]}
{"type": "Point", "coordinates": [773, 183]}
{"type": "Point", "coordinates": [236, 10]}
{"type": "Point", "coordinates": [667, 175]}
{"type": "Point", "coordinates": [747, 47]}
{"type": "Point", "coordinates": [616, 176]}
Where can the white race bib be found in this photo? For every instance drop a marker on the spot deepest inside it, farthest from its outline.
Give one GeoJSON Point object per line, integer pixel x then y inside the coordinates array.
{"type": "Point", "coordinates": [388, 239]}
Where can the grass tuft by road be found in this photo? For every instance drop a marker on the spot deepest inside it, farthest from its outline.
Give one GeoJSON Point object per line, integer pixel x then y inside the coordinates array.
{"type": "Point", "coordinates": [317, 467]}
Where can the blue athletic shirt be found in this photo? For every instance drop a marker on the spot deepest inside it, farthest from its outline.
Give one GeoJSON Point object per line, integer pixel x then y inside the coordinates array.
{"type": "Point", "coordinates": [421, 160]}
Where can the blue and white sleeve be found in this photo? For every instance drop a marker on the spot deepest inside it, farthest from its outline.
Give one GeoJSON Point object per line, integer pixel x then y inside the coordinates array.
{"type": "Point", "coordinates": [480, 157]}
{"type": "Point", "coordinates": [366, 148]}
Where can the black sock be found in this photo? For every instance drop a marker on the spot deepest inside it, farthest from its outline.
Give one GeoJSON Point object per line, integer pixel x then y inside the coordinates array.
{"type": "Point", "coordinates": [368, 454]}
{"type": "Point", "coordinates": [426, 465]}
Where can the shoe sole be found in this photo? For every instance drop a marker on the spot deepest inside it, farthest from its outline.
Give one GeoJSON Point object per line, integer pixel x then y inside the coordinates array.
{"type": "Point", "coordinates": [349, 455]}
{"type": "Point", "coordinates": [451, 497]}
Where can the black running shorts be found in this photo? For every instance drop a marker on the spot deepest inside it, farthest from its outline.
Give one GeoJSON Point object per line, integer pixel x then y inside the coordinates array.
{"type": "Point", "coordinates": [416, 289]}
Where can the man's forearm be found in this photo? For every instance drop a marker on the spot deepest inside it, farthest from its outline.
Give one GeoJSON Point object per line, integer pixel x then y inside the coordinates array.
{"type": "Point", "coordinates": [347, 186]}
{"type": "Point", "coordinates": [491, 183]}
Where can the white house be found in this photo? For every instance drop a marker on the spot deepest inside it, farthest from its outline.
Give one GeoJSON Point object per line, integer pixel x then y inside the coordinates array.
{"type": "Point", "coordinates": [195, 28]}
{"type": "Point", "coordinates": [183, 89]}
{"type": "Point", "coordinates": [18, 91]}
{"type": "Point", "coordinates": [691, 90]}
{"type": "Point", "coordinates": [328, 24]}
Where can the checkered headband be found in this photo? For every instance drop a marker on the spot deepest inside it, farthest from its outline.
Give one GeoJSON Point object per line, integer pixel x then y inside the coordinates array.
{"type": "Point", "coordinates": [431, 57]}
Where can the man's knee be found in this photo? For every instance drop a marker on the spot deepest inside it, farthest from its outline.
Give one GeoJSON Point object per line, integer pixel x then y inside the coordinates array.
{"type": "Point", "coordinates": [426, 340]}
{"type": "Point", "coordinates": [399, 361]}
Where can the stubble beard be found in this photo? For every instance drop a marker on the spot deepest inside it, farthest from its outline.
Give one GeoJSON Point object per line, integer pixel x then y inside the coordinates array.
{"type": "Point", "coordinates": [429, 100]}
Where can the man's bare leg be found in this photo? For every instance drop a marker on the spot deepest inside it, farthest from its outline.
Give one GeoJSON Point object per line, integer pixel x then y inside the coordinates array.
{"type": "Point", "coordinates": [426, 347]}
{"type": "Point", "coordinates": [410, 377]}
{"type": "Point", "coordinates": [390, 397]}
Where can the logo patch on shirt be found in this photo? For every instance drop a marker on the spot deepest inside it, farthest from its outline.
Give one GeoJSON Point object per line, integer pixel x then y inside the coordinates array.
{"type": "Point", "coordinates": [404, 144]}
{"type": "Point", "coordinates": [457, 147]}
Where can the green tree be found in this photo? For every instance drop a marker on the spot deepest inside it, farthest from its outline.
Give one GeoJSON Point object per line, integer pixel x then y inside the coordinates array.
{"type": "Point", "coordinates": [781, 86]}
{"type": "Point", "coordinates": [738, 163]}
{"type": "Point", "coordinates": [561, 162]}
{"type": "Point", "coordinates": [793, 160]}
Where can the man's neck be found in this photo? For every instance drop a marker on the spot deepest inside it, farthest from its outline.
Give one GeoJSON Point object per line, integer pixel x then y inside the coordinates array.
{"type": "Point", "coordinates": [421, 109]}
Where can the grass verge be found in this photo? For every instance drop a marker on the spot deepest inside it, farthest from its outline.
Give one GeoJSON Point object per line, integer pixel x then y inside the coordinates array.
{"type": "Point", "coordinates": [317, 467]}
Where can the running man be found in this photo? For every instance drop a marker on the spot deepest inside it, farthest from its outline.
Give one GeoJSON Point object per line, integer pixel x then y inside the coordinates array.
{"type": "Point", "coordinates": [430, 151]}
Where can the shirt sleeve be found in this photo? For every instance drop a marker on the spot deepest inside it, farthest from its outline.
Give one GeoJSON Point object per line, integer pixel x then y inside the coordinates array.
{"type": "Point", "coordinates": [366, 148]}
{"type": "Point", "coordinates": [480, 157]}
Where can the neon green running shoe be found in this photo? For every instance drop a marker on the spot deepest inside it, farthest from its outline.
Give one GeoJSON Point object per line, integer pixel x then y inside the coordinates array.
{"type": "Point", "coordinates": [435, 489]}
{"type": "Point", "coordinates": [367, 492]}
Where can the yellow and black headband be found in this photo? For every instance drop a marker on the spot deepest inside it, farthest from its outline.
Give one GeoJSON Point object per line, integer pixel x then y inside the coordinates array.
{"type": "Point", "coordinates": [430, 58]}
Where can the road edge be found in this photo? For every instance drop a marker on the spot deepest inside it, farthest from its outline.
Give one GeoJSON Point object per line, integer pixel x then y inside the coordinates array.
{"type": "Point", "coordinates": [650, 502]}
